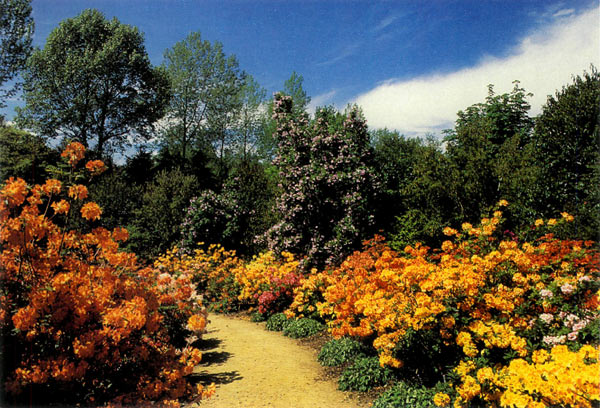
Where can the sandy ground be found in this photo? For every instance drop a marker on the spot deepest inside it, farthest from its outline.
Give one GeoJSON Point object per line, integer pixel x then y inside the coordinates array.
{"type": "Point", "coordinates": [255, 368]}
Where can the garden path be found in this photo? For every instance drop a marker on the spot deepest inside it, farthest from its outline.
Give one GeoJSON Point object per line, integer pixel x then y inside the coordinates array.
{"type": "Point", "coordinates": [255, 368]}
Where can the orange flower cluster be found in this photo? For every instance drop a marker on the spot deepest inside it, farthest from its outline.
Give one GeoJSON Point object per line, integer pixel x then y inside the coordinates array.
{"type": "Point", "coordinates": [499, 301]}
{"type": "Point", "coordinates": [78, 314]}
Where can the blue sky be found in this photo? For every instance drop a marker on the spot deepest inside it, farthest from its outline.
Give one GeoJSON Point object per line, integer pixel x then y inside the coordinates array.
{"type": "Point", "coordinates": [411, 65]}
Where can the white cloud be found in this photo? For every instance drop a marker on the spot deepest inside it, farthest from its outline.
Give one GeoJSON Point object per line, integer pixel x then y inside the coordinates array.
{"type": "Point", "coordinates": [543, 61]}
{"type": "Point", "coordinates": [563, 12]}
{"type": "Point", "coordinates": [347, 52]}
{"type": "Point", "coordinates": [386, 22]}
{"type": "Point", "coordinates": [320, 100]}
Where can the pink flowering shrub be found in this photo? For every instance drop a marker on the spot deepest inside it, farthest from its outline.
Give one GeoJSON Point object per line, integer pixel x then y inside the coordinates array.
{"type": "Point", "coordinates": [326, 182]}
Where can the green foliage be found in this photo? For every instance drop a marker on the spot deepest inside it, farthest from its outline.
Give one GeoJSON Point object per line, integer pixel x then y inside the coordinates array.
{"type": "Point", "coordinates": [429, 197]}
{"type": "Point", "coordinates": [207, 91]}
{"type": "Point", "coordinates": [267, 142]}
{"type": "Point", "coordinates": [117, 196]}
{"type": "Point", "coordinates": [340, 351]}
{"type": "Point", "coordinates": [155, 226]}
{"type": "Point", "coordinates": [394, 159]}
{"type": "Point", "coordinates": [236, 215]}
{"type": "Point", "coordinates": [93, 82]}
{"type": "Point", "coordinates": [565, 141]}
{"type": "Point", "coordinates": [16, 34]}
{"type": "Point", "coordinates": [277, 322]}
{"type": "Point", "coordinates": [250, 119]}
{"type": "Point", "coordinates": [425, 357]}
{"type": "Point", "coordinates": [24, 155]}
{"type": "Point", "coordinates": [486, 152]}
{"type": "Point", "coordinates": [403, 395]}
{"type": "Point", "coordinates": [258, 317]}
{"type": "Point", "coordinates": [364, 374]}
{"type": "Point", "coordinates": [303, 327]}
{"type": "Point", "coordinates": [416, 226]}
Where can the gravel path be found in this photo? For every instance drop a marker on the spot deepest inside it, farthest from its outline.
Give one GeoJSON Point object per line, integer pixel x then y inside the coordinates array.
{"type": "Point", "coordinates": [255, 368]}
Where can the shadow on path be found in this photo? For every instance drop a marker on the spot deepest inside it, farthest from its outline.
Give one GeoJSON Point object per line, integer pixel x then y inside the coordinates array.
{"type": "Point", "coordinates": [214, 357]}
{"type": "Point", "coordinates": [207, 344]}
{"type": "Point", "coordinates": [217, 378]}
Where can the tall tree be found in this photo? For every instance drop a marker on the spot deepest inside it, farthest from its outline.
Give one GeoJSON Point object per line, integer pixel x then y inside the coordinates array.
{"type": "Point", "coordinates": [479, 148]}
{"type": "Point", "coordinates": [16, 33]}
{"type": "Point", "coordinates": [206, 87]}
{"type": "Point", "coordinates": [249, 120]}
{"type": "Point", "coordinates": [565, 143]}
{"type": "Point", "coordinates": [93, 82]}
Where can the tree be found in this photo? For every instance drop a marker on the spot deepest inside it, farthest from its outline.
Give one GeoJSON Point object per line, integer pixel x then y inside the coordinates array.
{"type": "Point", "coordinates": [155, 224]}
{"type": "Point", "coordinates": [293, 88]}
{"type": "Point", "coordinates": [565, 144]}
{"type": "Point", "coordinates": [327, 183]}
{"type": "Point", "coordinates": [206, 87]}
{"type": "Point", "coordinates": [429, 197]}
{"type": "Point", "coordinates": [479, 147]}
{"type": "Point", "coordinates": [394, 158]}
{"type": "Point", "coordinates": [93, 81]}
{"type": "Point", "coordinates": [16, 34]}
{"type": "Point", "coordinates": [235, 216]}
{"type": "Point", "coordinates": [249, 120]}
{"type": "Point", "coordinates": [24, 155]}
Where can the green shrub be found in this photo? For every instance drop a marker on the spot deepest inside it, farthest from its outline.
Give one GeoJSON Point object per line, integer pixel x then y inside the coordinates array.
{"type": "Point", "coordinates": [403, 395]}
{"type": "Point", "coordinates": [258, 317]}
{"type": "Point", "coordinates": [339, 351]}
{"type": "Point", "coordinates": [304, 327]}
{"type": "Point", "coordinates": [364, 374]}
{"type": "Point", "coordinates": [277, 322]}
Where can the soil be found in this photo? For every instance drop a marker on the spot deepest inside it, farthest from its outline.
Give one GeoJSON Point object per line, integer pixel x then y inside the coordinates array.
{"type": "Point", "coordinates": [256, 368]}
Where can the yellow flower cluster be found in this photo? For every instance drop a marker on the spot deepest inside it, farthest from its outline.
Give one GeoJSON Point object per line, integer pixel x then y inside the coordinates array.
{"type": "Point", "coordinates": [561, 378]}
{"type": "Point", "coordinates": [479, 293]}
{"type": "Point", "coordinates": [258, 274]}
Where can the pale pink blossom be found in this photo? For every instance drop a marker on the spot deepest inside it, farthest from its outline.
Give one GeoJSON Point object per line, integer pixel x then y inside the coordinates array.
{"type": "Point", "coordinates": [567, 288]}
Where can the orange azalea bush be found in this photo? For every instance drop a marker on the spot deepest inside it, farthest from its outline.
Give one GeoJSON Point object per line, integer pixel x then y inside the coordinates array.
{"type": "Point", "coordinates": [507, 323]}
{"type": "Point", "coordinates": [81, 321]}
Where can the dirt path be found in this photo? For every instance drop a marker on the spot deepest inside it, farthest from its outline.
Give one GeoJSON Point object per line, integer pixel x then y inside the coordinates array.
{"type": "Point", "coordinates": [255, 368]}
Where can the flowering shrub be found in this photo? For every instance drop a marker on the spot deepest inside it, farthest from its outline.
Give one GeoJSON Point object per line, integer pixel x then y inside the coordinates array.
{"type": "Point", "coordinates": [265, 282]}
{"type": "Point", "coordinates": [212, 270]}
{"type": "Point", "coordinates": [498, 316]}
{"type": "Point", "coordinates": [326, 178]}
{"type": "Point", "coordinates": [81, 321]}
{"type": "Point", "coordinates": [268, 282]}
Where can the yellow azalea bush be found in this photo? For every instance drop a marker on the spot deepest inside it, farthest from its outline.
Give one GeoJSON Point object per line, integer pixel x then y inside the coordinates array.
{"type": "Point", "coordinates": [211, 270]}
{"type": "Point", "coordinates": [268, 281]}
{"type": "Point", "coordinates": [265, 282]}
{"type": "Point", "coordinates": [81, 321]}
{"type": "Point", "coordinates": [480, 312]}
